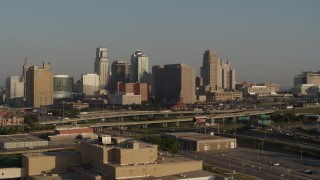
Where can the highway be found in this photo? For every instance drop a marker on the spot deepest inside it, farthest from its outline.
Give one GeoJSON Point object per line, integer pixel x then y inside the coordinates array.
{"type": "Point", "coordinates": [137, 114]}
{"type": "Point", "coordinates": [245, 161]}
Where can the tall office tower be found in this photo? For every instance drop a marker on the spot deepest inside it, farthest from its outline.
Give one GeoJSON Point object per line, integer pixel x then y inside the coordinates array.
{"type": "Point", "coordinates": [211, 71]}
{"type": "Point", "coordinates": [154, 68]}
{"type": "Point", "coordinates": [174, 81]}
{"type": "Point", "coordinates": [120, 72]}
{"type": "Point", "coordinates": [101, 67]}
{"type": "Point", "coordinates": [39, 86]}
{"type": "Point", "coordinates": [15, 88]}
{"type": "Point", "coordinates": [139, 66]}
{"type": "Point", "coordinates": [90, 84]}
{"type": "Point", "coordinates": [228, 76]}
{"type": "Point", "coordinates": [62, 86]}
{"type": "Point", "coordinates": [25, 67]}
{"type": "Point", "coordinates": [308, 77]}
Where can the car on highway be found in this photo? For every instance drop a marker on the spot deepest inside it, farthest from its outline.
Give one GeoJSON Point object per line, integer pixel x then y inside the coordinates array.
{"type": "Point", "coordinates": [276, 164]}
{"type": "Point", "coordinates": [273, 163]}
{"type": "Point", "coordinates": [308, 171]}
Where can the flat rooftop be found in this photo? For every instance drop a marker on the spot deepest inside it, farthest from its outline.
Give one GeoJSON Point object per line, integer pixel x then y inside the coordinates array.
{"type": "Point", "coordinates": [121, 146]}
{"type": "Point", "coordinates": [197, 136]}
{"type": "Point", "coordinates": [19, 138]}
{"type": "Point", "coordinates": [189, 175]}
{"type": "Point", "coordinates": [162, 158]}
{"type": "Point", "coordinates": [62, 153]}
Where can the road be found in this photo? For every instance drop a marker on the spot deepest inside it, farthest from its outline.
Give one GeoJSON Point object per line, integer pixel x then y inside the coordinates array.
{"type": "Point", "coordinates": [246, 161]}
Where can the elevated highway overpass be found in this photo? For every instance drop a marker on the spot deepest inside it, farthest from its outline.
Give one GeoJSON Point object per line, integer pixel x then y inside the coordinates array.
{"type": "Point", "coordinates": [119, 119]}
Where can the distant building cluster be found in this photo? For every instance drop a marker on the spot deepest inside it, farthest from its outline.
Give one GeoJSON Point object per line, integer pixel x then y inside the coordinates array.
{"type": "Point", "coordinates": [307, 83]}
{"type": "Point", "coordinates": [128, 83]}
{"type": "Point", "coordinates": [124, 83]}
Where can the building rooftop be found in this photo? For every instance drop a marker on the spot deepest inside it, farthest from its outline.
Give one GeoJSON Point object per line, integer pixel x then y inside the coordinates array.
{"type": "Point", "coordinates": [197, 136]}
{"type": "Point", "coordinates": [122, 145]}
{"type": "Point", "coordinates": [62, 153]}
{"type": "Point", "coordinates": [189, 175]}
{"type": "Point", "coordinates": [19, 138]}
{"type": "Point", "coordinates": [162, 158]}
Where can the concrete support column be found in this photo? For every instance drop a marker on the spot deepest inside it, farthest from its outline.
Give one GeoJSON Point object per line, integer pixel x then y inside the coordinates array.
{"type": "Point", "coordinates": [145, 126]}
{"type": "Point", "coordinates": [165, 124]}
{"type": "Point", "coordinates": [212, 121]}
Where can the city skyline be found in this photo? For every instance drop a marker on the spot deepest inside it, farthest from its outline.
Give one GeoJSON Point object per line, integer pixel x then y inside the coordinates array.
{"type": "Point", "coordinates": [265, 41]}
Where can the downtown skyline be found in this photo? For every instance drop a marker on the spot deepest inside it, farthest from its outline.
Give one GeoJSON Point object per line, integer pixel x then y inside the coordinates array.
{"type": "Point", "coordinates": [264, 41]}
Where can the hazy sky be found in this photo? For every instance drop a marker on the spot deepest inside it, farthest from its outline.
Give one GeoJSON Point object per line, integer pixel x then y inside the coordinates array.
{"type": "Point", "coordinates": [265, 40]}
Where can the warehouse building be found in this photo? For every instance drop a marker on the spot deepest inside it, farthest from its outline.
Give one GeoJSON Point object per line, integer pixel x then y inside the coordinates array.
{"type": "Point", "coordinates": [201, 142]}
{"type": "Point", "coordinates": [72, 133]}
{"type": "Point", "coordinates": [20, 141]}
{"type": "Point", "coordinates": [127, 160]}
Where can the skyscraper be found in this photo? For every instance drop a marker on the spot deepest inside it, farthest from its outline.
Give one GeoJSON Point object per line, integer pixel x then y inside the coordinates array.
{"type": "Point", "coordinates": [25, 68]}
{"type": "Point", "coordinates": [228, 76]}
{"type": "Point", "coordinates": [174, 81]}
{"type": "Point", "coordinates": [120, 72]}
{"type": "Point", "coordinates": [39, 86]}
{"type": "Point", "coordinates": [216, 74]}
{"type": "Point", "coordinates": [210, 71]}
{"type": "Point", "coordinates": [101, 67]}
{"type": "Point", "coordinates": [139, 66]}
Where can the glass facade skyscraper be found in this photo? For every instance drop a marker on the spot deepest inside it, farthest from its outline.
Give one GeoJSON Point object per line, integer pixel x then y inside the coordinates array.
{"type": "Point", "coordinates": [139, 66]}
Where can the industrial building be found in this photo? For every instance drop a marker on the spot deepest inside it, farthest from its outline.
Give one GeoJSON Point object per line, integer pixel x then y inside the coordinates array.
{"type": "Point", "coordinates": [201, 142]}
{"type": "Point", "coordinates": [123, 159]}
{"type": "Point", "coordinates": [72, 133]}
{"type": "Point", "coordinates": [56, 162]}
{"type": "Point", "coordinates": [20, 141]}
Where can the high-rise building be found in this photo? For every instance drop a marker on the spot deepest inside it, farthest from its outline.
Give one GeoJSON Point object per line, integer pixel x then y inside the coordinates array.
{"type": "Point", "coordinates": [39, 86]}
{"type": "Point", "coordinates": [139, 66]}
{"type": "Point", "coordinates": [174, 81]}
{"type": "Point", "coordinates": [101, 67]}
{"type": "Point", "coordinates": [25, 68]}
{"type": "Point", "coordinates": [90, 84]}
{"type": "Point", "coordinates": [15, 88]}
{"type": "Point", "coordinates": [308, 77]}
{"type": "Point", "coordinates": [210, 70]}
{"type": "Point", "coordinates": [228, 76]}
{"type": "Point", "coordinates": [62, 86]}
{"type": "Point", "coordinates": [216, 74]}
{"type": "Point", "coordinates": [120, 72]}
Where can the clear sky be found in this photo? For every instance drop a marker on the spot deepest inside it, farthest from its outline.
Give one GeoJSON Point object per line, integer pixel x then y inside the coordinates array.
{"type": "Point", "coordinates": [265, 40]}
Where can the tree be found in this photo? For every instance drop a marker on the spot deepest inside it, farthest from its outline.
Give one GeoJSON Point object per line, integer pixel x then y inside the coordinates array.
{"type": "Point", "coordinates": [30, 119]}
{"type": "Point", "coordinates": [169, 145]}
